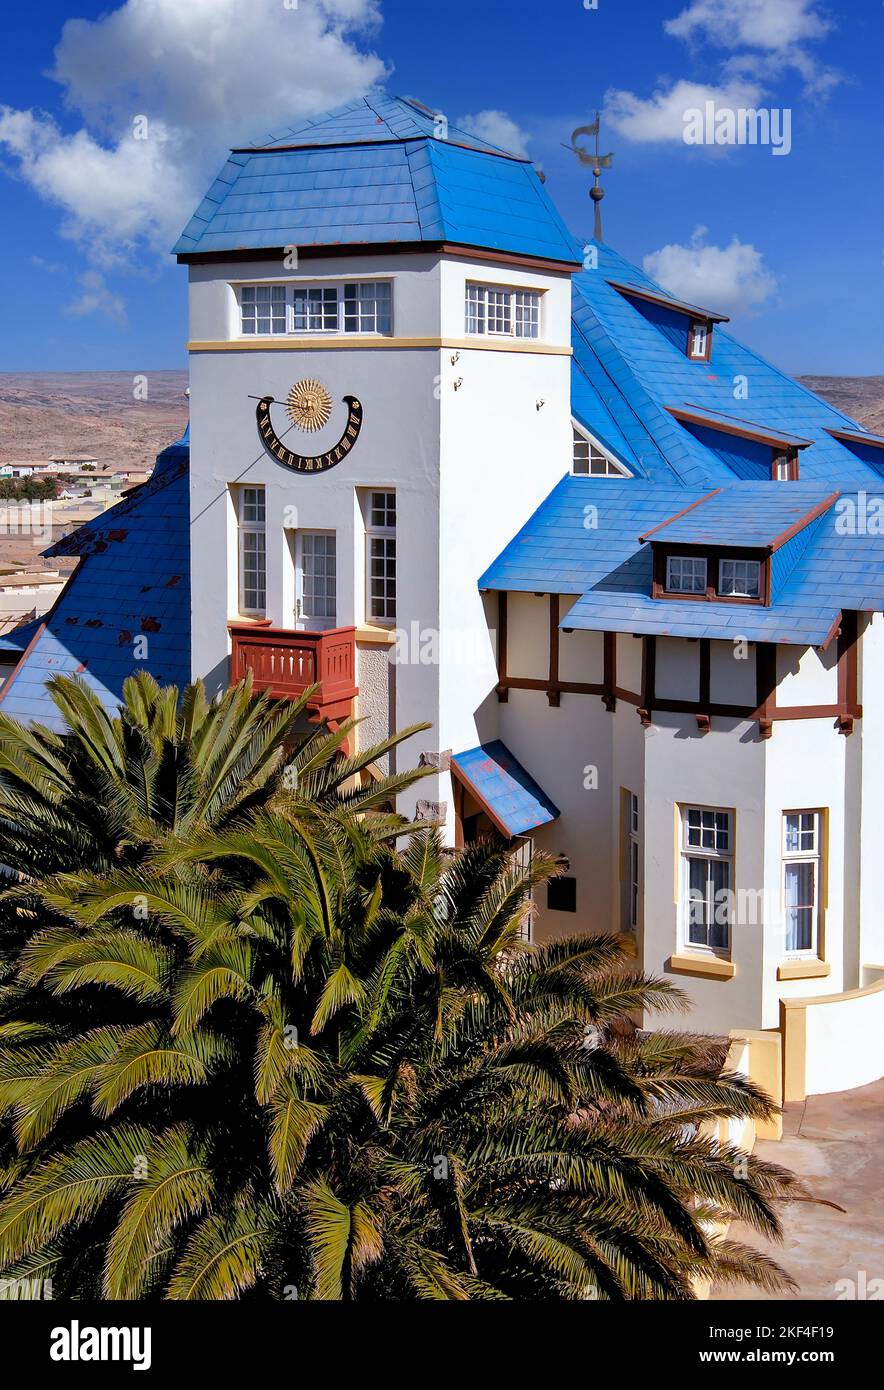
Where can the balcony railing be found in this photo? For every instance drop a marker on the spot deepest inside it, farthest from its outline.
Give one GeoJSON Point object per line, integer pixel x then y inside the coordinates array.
{"type": "Point", "coordinates": [285, 662]}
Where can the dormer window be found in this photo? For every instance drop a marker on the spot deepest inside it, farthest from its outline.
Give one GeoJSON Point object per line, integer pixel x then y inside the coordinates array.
{"type": "Point", "coordinates": [590, 458]}
{"type": "Point", "coordinates": [784, 465]}
{"type": "Point", "coordinates": [739, 578]}
{"type": "Point", "coordinates": [700, 340]}
{"type": "Point", "coordinates": [686, 574]}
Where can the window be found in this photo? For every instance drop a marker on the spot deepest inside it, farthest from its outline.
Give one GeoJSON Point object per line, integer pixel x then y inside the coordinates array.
{"type": "Point", "coordinates": [380, 537]}
{"type": "Point", "coordinates": [315, 310]}
{"type": "Point", "coordinates": [589, 458]}
{"type": "Point", "coordinates": [699, 340]}
{"type": "Point", "coordinates": [707, 864]}
{"type": "Point", "coordinates": [360, 306]}
{"type": "Point", "coordinates": [632, 860]}
{"type": "Point", "coordinates": [252, 551]}
{"type": "Point", "coordinates": [801, 881]}
{"type": "Point", "coordinates": [263, 309]}
{"type": "Point", "coordinates": [492, 309]}
{"type": "Point", "coordinates": [781, 468]}
{"type": "Point", "coordinates": [317, 579]}
{"type": "Point", "coordinates": [784, 465]}
{"type": "Point", "coordinates": [368, 307]}
{"type": "Point", "coordinates": [561, 895]}
{"type": "Point", "coordinates": [739, 578]}
{"type": "Point", "coordinates": [686, 574]}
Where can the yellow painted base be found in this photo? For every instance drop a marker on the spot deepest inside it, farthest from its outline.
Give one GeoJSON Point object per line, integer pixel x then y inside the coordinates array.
{"type": "Point", "coordinates": [803, 970]}
{"type": "Point", "coordinates": [712, 967]}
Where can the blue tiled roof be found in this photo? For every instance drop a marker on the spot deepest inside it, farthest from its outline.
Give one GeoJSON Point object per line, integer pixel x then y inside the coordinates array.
{"type": "Point", "coordinates": [18, 638]}
{"type": "Point", "coordinates": [583, 540]}
{"type": "Point", "coordinates": [133, 580]}
{"type": "Point", "coordinates": [500, 783]}
{"type": "Point", "coordinates": [629, 371]}
{"type": "Point", "coordinates": [358, 177]}
{"type": "Point", "coordinates": [732, 516]}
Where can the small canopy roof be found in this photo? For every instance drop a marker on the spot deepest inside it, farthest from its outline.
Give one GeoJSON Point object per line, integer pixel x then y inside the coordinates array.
{"type": "Point", "coordinates": [505, 791]}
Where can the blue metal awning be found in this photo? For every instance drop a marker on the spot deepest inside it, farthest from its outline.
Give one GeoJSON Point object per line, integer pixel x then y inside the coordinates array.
{"type": "Point", "coordinates": [502, 787]}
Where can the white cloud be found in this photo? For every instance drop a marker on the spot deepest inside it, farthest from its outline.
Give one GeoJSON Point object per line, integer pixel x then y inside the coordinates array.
{"type": "Point", "coordinates": [498, 129]}
{"type": "Point", "coordinates": [207, 74]}
{"type": "Point", "coordinates": [770, 24]}
{"type": "Point", "coordinates": [662, 116]}
{"type": "Point", "coordinates": [97, 299]}
{"type": "Point", "coordinates": [732, 279]}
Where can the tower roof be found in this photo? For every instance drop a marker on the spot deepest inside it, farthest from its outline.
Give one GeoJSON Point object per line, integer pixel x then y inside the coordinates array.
{"type": "Point", "coordinates": [380, 171]}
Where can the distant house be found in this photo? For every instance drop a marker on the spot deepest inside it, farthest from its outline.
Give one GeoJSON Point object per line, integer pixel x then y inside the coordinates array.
{"type": "Point", "coordinates": [74, 461]}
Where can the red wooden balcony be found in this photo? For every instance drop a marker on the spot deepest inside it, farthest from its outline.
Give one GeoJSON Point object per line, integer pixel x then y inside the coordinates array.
{"type": "Point", "coordinates": [285, 662]}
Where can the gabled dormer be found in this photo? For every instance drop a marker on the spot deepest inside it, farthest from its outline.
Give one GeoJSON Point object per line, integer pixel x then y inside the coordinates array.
{"type": "Point", "coordinates": [687, 326]}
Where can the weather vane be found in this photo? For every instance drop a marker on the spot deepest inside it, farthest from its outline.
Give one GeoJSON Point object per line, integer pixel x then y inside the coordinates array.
{"type": "Point", "coordinates": [598, 162]}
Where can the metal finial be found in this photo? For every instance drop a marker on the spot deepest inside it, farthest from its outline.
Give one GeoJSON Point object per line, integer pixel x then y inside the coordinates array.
{"type": "Point", "coordinates": [597, 161]}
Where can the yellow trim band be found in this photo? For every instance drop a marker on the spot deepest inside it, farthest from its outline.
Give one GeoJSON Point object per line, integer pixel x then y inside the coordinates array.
{"type": "Point", "coordinates": [338, 342]}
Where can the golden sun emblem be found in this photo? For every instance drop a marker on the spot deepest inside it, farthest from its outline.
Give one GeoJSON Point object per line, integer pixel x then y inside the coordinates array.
{"type": "Point", "coordinates": [309, 405]}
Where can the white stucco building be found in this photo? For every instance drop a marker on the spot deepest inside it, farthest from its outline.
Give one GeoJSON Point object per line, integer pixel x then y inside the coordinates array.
{"type": "Point", "coordinates": [458, 467]}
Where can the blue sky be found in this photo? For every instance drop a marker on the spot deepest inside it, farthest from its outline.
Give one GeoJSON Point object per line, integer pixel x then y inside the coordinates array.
{"type": "Point", "coordinates": [789, 244]}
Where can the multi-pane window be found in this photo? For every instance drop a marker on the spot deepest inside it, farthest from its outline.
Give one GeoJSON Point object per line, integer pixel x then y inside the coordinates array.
{"type": "Point", "coordinates": [263, 309]}
{"type": "Point", "coordinates": [801, 880]}
{"type": "Point", "coordinates": [686, 574]}
{"type": "Point", "coordinates": [315, 310]}
{"type": "Point", "coordinates": [359, 306]}
{"type": "Point", "coordinates": [317, 601]}
{"type": "Point", "coordinates": [252, 551]}
{"type": "Point", "coordinates": [589, 458]}
{"type": "Point", "coordinates": [707, 866]}
{"type": "Point", "coordinates": [380, 537]}
{"type": "Point", "coordinates": [698, 340]}
{"type": "Point", "coordinates": [494, 309]}
{"type": "Point", "coordinates": [739, 578]}
{"type": "Point", "coordinates": [368, 307]}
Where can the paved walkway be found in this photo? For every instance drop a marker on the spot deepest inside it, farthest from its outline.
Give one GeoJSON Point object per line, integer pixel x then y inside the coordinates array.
{"type": "Point", "coordinates": [836, 1144]}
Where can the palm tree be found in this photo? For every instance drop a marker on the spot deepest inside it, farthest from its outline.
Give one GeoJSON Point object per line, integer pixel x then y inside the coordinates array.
{"type": "Point", "coordinates": [254, 1041]}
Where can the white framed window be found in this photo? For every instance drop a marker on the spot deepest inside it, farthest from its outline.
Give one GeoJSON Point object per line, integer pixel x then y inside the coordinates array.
{"type": "Point", "coordinates": [739, 578]}
{"type": "Point", "coordinates": [380, 555]}
{"type": "Point", "coordinates": [252, 525]}
{"type": "Point", "coordinates": [315, 309]}
{"type": "Point", "coordinates": [802, 867]}
{"type": "Point", "coordinates": [686, 574]}
{"type": "Point", "coordinates": [263, 309]}
{"type": "Point", "coordinates": [357, 306]}
{"type": "Point", "coordinates": [698, 340]}
{"type": "Point", "coordinates": [707, 853]}
{"type": "Point", "coordinates": [316, 600]}
{"type": "Point", "coordinates": [589, 458]}
{"type": "Point", "coordinates": [501, 312]}
{"type": "Point", "coordinates": [781, 468]}
{"type": "Point", "coordinates": [633, 860]}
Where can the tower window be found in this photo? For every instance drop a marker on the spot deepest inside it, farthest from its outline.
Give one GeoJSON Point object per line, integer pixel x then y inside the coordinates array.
{"type": "Point", "coordinates": [252, 551]}
{"type": "Point", "coordinates": [380, 556]}
{"type": "Point", "coordinates": [500, 312]}
{"type": "Point", "coordinates": [263, 309]}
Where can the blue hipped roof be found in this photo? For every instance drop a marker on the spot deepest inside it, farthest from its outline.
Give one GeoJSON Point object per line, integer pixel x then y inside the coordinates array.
{"type": "Point", "coordinates": [500, 784]}
{"type": "Point", "coordinates": [824, 570]}
{"type": "Point", "coordinates": [133, 579]}
{"type": "Point", "coordinates": [376, 172]}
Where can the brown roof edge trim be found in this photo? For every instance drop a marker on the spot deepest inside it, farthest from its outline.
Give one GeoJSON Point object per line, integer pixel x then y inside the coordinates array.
{"type": "Point", "coordinates": [680, 306]}
{"type": "Point", "coordinates": [378, 248]}
{"type": "Point", "coordinates": [803, 521]}
{"type": "Point", "coordinates": [684, 511]}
